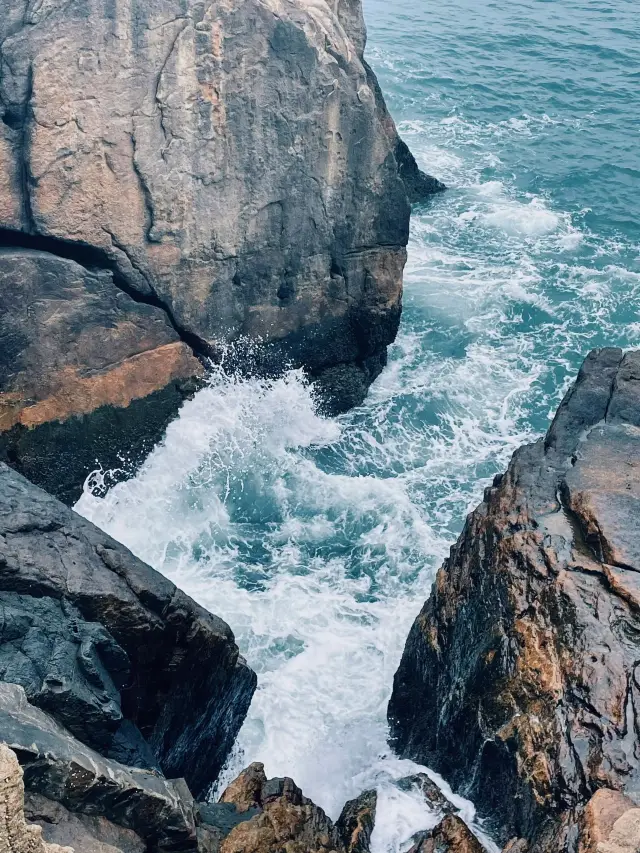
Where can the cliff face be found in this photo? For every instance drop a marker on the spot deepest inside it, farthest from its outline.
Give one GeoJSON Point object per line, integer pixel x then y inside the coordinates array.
{"type": "Point", "coordinates": [229, 167]}
{"type": "Point", "coordinates": [519, 680]}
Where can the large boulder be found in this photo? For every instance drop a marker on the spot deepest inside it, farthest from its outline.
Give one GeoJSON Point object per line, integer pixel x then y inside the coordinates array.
{"type": "Point", "coordinates": [229, 167]}
{"type": "Point", "coordinates": [519, 680]}
{"type": "Point", "coordinates": [126, 662]}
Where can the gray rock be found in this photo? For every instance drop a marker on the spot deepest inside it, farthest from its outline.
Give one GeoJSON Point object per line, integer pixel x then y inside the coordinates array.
{"type": "Point", "coordinates": [62, 769]}
{"type": "Point", "coordinates": [83, 833]}
{"type": "Point", "coordinates": [429, 790]}
{"type": "Point", "coordinates": [519, 679]}
{"type": "Point", "coordinates": [127, 662]}
{"type": "Point", "coordinates": [231, 165]}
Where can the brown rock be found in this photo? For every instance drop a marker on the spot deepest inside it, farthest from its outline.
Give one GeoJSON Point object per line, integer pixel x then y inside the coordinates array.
{"type": "Point", "coordinates": [356, 822]}
{"type": "Point", "coordinates": [450, 836]}
{"type": "Point", "coordinates": [16, 836]}
{"type": "Point", "coordinates": [285, 820]}
{"type": "Point", "coordinates": [519, 678]}
{"type": "Point", "coordinates": [611, 824]}
{"type": "Point", "coordinates": [76, 350]}
{"type": "Point", "coordinates": [245, 792]}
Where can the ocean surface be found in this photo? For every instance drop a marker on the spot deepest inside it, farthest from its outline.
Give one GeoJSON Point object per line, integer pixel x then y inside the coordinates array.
{"type": "Point", "coordinates": [317, 540]}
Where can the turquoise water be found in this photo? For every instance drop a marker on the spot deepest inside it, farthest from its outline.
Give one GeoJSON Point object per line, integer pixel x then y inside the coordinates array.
{"type": "Point", "coordinates": [318, 539]}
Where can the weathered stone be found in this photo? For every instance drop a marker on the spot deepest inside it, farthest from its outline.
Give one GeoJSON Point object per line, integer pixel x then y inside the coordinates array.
{"type": "Point", "coordinates": [84, 833]}
{"type": "Point", "coordinates": [16, 836]}
{"type": "Point", "coordinates": [74, 349]}
{"type": "Point", "coordinates": [61, 768]}
{"type": "Point", "coordinates": [451, 835]}
{"type": "Point", "coordinates": [128, 663]}
{"type": "Point", "coordinates": [429, 790]}
{"type": "Point", "coordinates": [232, 165]}
{"type": "Point", "coordinates": [519, 678]}
{"type": "Point", "coordinates": [356, 822]}
{"type": "Point", "coordinates": [282, 818]}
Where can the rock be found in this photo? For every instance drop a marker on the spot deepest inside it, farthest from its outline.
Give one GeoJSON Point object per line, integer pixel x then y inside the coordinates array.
{"type": "Point", "coordinates": [611, 824]}
{"type": "Point", "coordinates": [279, 818]}
{"type": "Point", "coordinates": [62, 769]}
{"type": "Point", "coordinates": [130, 665]}
{"type": "Point", "coordinates": [83, 833]}
{"type": "Point", "coordinates": [516, 845]}
{"type": "Point", "coordinates": [519, 678]}
{"type": "Point", "coordinates": [356, 822]}
{"type": "Point", "coordinates": [77, 351]}
{"type": "Point", "coordinates": [16, 836]}
{"type": "Point", "coordinates": [451, 835]}
{"type": "Point", "coordinates": [176, 176]}
{"type": "Point", "coordinates": [429, 790]}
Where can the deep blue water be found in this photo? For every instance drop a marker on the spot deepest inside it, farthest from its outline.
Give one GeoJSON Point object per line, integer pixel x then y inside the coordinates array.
{"type": "Point", "coordinates": [318, 539]}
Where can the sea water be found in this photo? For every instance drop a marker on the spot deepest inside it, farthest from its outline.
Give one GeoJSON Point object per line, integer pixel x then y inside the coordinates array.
{"type": "Point", "coordinates": [317, 540]}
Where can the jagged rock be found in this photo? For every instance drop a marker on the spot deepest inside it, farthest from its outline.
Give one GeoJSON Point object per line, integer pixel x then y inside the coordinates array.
{"type": "Point", "coordinates": [233, 165]}
{"type": "Point", "coordinates": [110, 648]}
{"type": "Point", "coordinates": [16, 836]}
{"type": "Point", "coordinates": [429, 790]}
{"type": "Point", "coordinates": [451, 835]}
{"type": "Point", "coordinates": [519, 678]}
{"type": "Point", "coordinates": [356, 822]}
{"type": "Point", "coordinates": [61, 768]}
{"type": "Point", "coordinates": [279, 818]}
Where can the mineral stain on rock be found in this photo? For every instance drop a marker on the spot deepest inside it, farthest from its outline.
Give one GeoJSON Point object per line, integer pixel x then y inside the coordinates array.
{"type": "Point", "coordinates": [519, 677]}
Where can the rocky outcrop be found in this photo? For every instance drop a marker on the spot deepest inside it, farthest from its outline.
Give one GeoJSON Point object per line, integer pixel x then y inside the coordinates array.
{"type": "Point", "coordinates": [356, 822]}
{"type": "Point", "coordinates": [451, 835]}
{"type": "Point", "coordinates": [174, 176]}
{"type": "Point", "coordinates": [64, 771]}
{"type": "Point", "coordinates": [127, 663]}
{"type": "Point", "coordinates": [279, 818]}
{"type": "Point", "coordinates": [519, 679]}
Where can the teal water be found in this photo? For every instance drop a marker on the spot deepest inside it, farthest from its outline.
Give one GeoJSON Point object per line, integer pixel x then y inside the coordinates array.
{"type": "Point", "coordinates": [318, 539]}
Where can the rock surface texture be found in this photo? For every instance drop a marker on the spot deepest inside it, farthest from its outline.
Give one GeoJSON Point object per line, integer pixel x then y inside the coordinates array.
{"type": "Point", "coordinates": [176, 175]}
{"type": "Point", "coordinates": [16, 836]}
{"type": "Point", "coordinates": [451, 835]}
{"type": "Point", "coordinates": [519, 680]}
{"type": "Point", "coordinates": [127, 663]}
{"type": "Point", "coordinates": [280, 818]}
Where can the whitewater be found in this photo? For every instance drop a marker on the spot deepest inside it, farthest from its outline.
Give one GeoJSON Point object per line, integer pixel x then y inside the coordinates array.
{"type": "Point", "coordinates": [317, 539]}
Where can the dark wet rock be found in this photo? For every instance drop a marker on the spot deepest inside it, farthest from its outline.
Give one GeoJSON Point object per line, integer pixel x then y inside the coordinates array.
{"type": "Point", "coordinates": [176, 176]}
{"type": "Point", "coordinates": [420, 187]}
{"type": "Point", "coordinates": [129, 664]}
{"type": "Point", "coordinates": [451, 835]}
{"type": "Point", "coordinates": [429, 790]}
{"type": "Point", "coordinates": [83, 833]}
{"type": "Point", "coordinates": [356, 822]}
{"type": "Point", "coordinates": [61, 768]}
{"type": "Point", "coordinates": [279, 818]}
{"type": "Point", "coordinates": [519, 678]}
